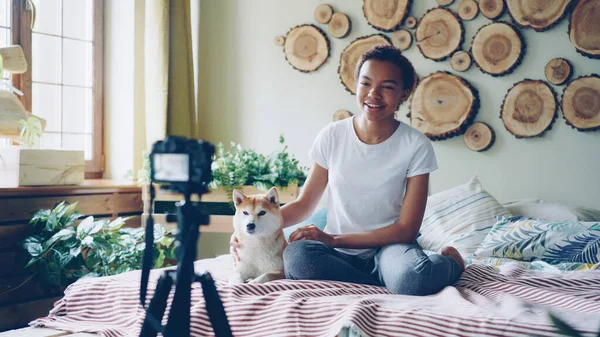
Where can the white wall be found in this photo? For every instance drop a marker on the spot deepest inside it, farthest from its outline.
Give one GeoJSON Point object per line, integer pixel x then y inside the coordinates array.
{"type": "Point", "coordinates": [250, 94]}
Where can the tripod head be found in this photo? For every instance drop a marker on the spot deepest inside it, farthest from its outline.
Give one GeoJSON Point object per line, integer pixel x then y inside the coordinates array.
{"type": "Point", "coordinates": [181, 165]}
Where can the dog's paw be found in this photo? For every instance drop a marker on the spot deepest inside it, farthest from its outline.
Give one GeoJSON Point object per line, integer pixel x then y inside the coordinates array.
{"type": "Point", "coordinates": [235, 279]}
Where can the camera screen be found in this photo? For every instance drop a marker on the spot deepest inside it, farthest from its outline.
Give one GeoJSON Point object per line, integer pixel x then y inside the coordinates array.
{"type": "Point", "coordinates": [170, 167]}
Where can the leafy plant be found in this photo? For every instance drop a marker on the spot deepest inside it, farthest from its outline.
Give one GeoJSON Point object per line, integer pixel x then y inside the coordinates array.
{"type": "Point", "coordinates": [237, 167]}
{"type": "Point", "coordinates": [64, 251]}
{"type": "Point", "coordinates": [31, 131]}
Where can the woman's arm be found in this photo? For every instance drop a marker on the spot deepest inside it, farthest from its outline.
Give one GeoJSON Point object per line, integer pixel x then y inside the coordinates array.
{"type": "Point", "coordinates": [301, 208]}
{"type": "Point", "coordinates": [402, 231]}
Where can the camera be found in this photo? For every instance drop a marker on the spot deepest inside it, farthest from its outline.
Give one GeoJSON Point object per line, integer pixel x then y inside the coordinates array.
{"type": "Point", "coordinates": [182, 164]}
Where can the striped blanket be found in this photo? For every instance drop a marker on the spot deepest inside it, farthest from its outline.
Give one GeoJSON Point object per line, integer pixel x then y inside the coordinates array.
{"type": "Point", "coordinates": [484, 302]}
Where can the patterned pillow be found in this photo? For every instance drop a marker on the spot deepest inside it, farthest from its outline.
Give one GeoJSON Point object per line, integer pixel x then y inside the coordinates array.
{"type": "Point", "coordinates": [529, 239]}
{"type": "Point", "coordinates": [461, 217]}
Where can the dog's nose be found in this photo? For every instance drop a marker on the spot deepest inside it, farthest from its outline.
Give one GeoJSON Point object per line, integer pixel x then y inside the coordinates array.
{"type": "Point", "coordinates": [250, 226]}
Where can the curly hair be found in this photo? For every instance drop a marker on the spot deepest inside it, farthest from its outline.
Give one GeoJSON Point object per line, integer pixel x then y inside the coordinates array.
{"type": "Point", "coordinates": [393, 55]}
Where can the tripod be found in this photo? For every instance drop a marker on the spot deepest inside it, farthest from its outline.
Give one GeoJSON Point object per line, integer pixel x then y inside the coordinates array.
{"type": "Point", "coordinates": [189, 218]}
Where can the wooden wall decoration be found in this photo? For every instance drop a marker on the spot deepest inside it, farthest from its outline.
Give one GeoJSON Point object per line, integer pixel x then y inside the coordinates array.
{"type": "Point", "coordinates": [558, 71]}
{"type": "Point", "coordinates": [443, 105]}
{"type": "Point", "coordinates": [306, 48]}
{"type": "Point", "coordinates": [529, 108]}
{"type": "Point", "coordinates": [461, 61]}
{"type": "Point", "coordinates": [584, 28]}
{"type": "Point", "coordinates": [411, 22]}
{"type": "Point", "coordinates": [386, 15]}
{"type": "Point", "coordinates": [468, 9]}
{"type": "Point", "coordinates": [540, 15]}
{"type": "Point", "coordinates": [279, 40]}
{"type": "Point", "coordinates": [351, 55]}
{"type": "Point", "coordinates": [479, 137]}
{"type": "Point", "coordinates": [439, 34]}
{"type": "Point", "coordinates": [402, 39]}
{"type": "Point", "coordinates": [581, 103]}
{"type": "Point", "coordinates": [323, 13]}
{"type": "Point", "coordinates": [491, 9]}
{"type": "Point", "coordinates": [444, 2]}
{"type": "Point", "coordinates": [341, 114]}
{"type": "Point", "coordinates": [497, 48]}
{"type": "Point", "coordinates": [340, 25]}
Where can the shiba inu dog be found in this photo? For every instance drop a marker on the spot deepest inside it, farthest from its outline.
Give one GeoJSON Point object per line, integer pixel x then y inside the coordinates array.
{"type": "Point", "coordinates": [258, 226]}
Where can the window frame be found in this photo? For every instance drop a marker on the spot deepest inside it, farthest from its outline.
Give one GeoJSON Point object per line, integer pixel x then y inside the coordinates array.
{"type": "Point", "coordinates": [21, 32]}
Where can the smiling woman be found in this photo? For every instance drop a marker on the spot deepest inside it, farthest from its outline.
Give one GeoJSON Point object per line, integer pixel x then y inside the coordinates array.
{"type": "Point", "coordinates": [377, 170]}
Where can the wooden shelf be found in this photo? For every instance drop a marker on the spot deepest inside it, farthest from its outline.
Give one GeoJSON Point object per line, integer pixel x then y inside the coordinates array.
{"type": "Point", "coordinates": [88, 187]}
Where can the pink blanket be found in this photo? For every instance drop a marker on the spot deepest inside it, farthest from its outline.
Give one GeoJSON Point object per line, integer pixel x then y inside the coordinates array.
{"type": "Point", "coordinates": [484, 302]}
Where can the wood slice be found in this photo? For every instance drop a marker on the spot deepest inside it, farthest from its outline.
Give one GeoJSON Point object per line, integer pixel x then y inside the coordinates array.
{"type": "Point", "coordinates": [584, 28]}
{"type": "Point", "coordinates": [279, 40]}
{"type": "Point", "coordinates": [558, 71]}
{"type": "Point", "coordinates": [351, 55]}
{"type": "Point", "coordinates": [402, 39]}
{"type": "Point", "coordinates": [306, 48]}
{"type": "Point", "coordinates": [323, 13]}
{"type": "Point", "coordinates": [468, 9]}
{"type": "Point", "coordinates": [529, 108]}
{"type": "Point", "coordinates": [443, 105]}
{"type": "Point", "coordinates": [439, 34]}
{"type": "Point", "coordinates": [340, 25]}
{"type": "Point", "coordinates": [461, 61]}
{"type": "Point", "coordinates": [479, 137]}
{"type": "Point", "coordinates": [410, 22]}
{"type": "Point", "coordinates": [341, 114]}
{"type": "Point", "coordinates": [491, 9]}
{"type": "Point", "coordinates": [444, 2]}
{"type": "Point", "coordinates": [581, 103]}
{"type": "Point", "coordinates": [540, 15]}
{"type": "Point", "coordinates": [386, 15]}
{"type": "Point", "coordinates": [497, 48]}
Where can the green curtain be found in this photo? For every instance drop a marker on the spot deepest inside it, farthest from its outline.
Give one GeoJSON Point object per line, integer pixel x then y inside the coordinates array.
{"type": "Point", "coordinates": [169, 71]}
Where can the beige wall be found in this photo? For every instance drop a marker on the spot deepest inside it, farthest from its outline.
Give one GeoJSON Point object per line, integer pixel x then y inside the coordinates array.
{"type": "Point", "coordinates": [250, 94]}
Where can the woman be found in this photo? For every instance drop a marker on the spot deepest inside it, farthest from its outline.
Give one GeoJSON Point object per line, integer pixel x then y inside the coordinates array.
{"type": "Point", "coordinates": [377, 170]}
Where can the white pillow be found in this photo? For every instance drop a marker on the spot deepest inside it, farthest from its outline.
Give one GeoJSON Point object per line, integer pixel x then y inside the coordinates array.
{"type": "Point", "coordinates": [461, 217]}
{"type": "Point", "coordinates": [557, 212]}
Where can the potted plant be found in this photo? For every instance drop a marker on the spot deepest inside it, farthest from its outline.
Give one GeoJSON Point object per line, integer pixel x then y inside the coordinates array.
{"type": "Point", "coordinates": [233, 168]}
{"type": "Point", "coordinates": [64, 249]}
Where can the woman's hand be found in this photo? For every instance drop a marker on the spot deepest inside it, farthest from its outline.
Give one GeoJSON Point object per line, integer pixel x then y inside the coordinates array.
{"type": "Point", "coordinates": [311, 232]}
{"type": "Point", "coordinates": [234, 244]}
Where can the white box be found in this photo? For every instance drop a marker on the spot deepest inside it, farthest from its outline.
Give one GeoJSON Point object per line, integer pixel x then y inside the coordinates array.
{"type": "Point", "coordinates": [37, 167]}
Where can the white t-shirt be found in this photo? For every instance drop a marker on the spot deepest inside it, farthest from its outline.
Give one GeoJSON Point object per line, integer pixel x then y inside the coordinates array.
{"type": "Point", "coordinates": [367, 182]}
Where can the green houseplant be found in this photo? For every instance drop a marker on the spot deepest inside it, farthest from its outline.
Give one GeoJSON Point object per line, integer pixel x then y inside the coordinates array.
{"type": "Point", "coordinates": [63, 250]}
{"type": "Point", "coordinates": [239, 167]}
{"type": "Point", "coordinates": [236, 167]}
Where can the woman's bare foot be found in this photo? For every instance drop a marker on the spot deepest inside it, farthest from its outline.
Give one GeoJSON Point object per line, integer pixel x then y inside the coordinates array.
{"type": "Point", "coordinates": [452, 253]}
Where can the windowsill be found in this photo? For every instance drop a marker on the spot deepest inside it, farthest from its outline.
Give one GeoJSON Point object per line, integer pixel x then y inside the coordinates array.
{"type": "Point", "coordinates": [88, 186]}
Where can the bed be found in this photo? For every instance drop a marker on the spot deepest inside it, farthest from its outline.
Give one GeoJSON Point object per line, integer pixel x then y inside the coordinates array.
{"type": "Point", "coordinates": [486, 301]}
{"type": "Point", "coordinates": [519, 271]}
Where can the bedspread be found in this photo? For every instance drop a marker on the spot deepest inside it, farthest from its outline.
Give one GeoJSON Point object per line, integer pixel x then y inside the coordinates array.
{"type": "Point", "coordinates": [484, 302]}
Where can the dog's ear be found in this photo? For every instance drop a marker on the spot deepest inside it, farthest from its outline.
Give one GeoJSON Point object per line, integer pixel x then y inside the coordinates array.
{"type": "Point", "coordinates": [273, 196]}
{"type": "Point", "coordinates": [238, 197]}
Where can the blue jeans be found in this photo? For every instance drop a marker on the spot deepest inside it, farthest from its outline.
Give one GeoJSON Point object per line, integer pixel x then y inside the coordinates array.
{"type": "Point", "coordinates": [402, 268]}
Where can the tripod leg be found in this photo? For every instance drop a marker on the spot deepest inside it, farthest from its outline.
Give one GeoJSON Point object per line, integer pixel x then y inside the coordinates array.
{"type": "Point", "coordinates": [214, 306]}
{"type": "Point", "coordinates": [156, 309]}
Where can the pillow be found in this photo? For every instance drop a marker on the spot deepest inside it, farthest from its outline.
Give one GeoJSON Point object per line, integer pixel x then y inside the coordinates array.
{"type": "Point", "coordinates": [540, 209]}
{"type": "Point", "coordinates": [528, 239]}
{"type": "Point", "coordinates": [461, 217]}
{"type": "Point", "coordinates": [318, 218]}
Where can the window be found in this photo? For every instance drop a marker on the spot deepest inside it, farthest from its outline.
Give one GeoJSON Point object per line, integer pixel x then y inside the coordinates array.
{"type": "Point", "coordinates": [63, 83]}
